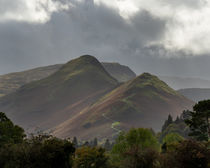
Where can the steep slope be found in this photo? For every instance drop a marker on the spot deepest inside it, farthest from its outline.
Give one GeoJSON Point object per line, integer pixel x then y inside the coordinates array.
{"type": "Point", "coordinates": [195, 94]}
{"type": "Point", "coordinates": [47, 102]}
{"type": "Point", "coordinates": [144, 101]}
{"type": "Point", "coordinates": [13, 81]}
{"type": "Point", "coordinates": [181, 82]}
{"type": "Point", "coordinates": [120, 72]}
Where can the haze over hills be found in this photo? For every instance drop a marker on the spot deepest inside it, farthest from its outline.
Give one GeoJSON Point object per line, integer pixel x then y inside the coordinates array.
{"type": "Point", "coordinates": [144, 101]}
{"type": "Point", "coordinates": [196, 94]}
{"type": "Point", "coordinates": [47, 102]}
{"type": "Point", "coordinates": [13, 81]}
{"type": "Point", "coordinates": [181, 82]}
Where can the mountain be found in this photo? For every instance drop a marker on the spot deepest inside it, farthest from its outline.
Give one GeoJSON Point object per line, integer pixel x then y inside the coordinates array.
{"type": "Point", "coordinates": [120, 72]}
{"type": "Point", "coordinates": [50, 101]}
{"type": "Point", "coordinates": [196, 94]}
{"type": "Point", "coordinates": [144, 101]}
{"type": "Point", "coordinates": [181, 82]}
{"type": "Point", "coordinates": [11, 82]}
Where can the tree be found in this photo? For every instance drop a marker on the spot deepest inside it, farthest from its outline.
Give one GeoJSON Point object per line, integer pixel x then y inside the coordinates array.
{"type": "Point", "coordinates": [9, 133]}
{"type": "Point", "coordinates": [192, 154]}
{"type": "Point", "coordinates": [199, 121]}
{"type": "Point", "coordinates": [75, 142]}
{"type": "Point", "coordinates": [95, 142]}
{"type": "Point", "coordinates": [38, 152]}
{"type": "Point", "coordinates": [167, 122]}
{"type": "Point", "coordinates": [90, 157]}
{"type": "Point", "coordinates": [107, 145]}
{"type": "Point", "coordinates": [132, 147]}
{"type": "Point", "coordinates": [170, 141]}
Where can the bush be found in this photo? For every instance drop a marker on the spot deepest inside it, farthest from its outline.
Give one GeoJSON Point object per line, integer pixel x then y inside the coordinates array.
{"type": "Point", "coordinates": [90, 157]}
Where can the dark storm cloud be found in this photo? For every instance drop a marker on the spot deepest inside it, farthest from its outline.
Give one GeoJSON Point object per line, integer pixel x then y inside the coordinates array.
{"type": "Point", "coordinates": [86, 28]}
{"type": "Point", "coordinates": [97, 30]}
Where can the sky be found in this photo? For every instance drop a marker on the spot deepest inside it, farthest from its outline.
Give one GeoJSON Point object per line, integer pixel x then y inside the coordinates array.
{"type": "Point", "coordinates": [162, 37]}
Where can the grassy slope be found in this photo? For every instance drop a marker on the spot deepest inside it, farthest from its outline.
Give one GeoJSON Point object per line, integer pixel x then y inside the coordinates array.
{"type": "Point", "coordinates": [49, 101]}
{"type": "Point", "coordinates": [11, 82]}
{"type": "Point", "coordinates": [142, 102]}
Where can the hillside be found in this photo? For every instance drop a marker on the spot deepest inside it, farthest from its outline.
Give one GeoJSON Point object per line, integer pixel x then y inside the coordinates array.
{"type": "Point", "coordinates": [120, 72]}
{"type": "Point", "coordinates": [144, 101]}
{"type": "Point", "coordinates": [11, 82]}
{"type": "Point", "coordinates": [45, 103]}
{"type": "Point", "coordinates": [181, 82]}
{"type": "Point", "coordinates": [196, 94]}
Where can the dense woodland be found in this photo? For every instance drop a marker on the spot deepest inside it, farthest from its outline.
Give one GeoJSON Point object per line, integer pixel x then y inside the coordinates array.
{"type": "Point", "coordinates": [182, 143]}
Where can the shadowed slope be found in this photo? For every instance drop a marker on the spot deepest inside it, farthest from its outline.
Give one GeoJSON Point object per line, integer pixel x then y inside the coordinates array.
{"type": "Point", "coordinates": [144, 101]}
{"type": "Point", "coordinates": [47, 102]}
{"type": "Point", "coordinates": [120, 72]}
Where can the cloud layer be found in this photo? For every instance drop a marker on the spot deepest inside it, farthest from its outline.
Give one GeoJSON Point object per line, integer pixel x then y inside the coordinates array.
{"type": "Point", "coordinates": [158, 36]}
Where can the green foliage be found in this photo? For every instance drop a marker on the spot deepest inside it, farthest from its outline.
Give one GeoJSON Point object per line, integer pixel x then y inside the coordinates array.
{"type": "Point", "coordinates": [90, 157]}
{"type": "Point", "coordinates": [136, 158]}
{"type": "Point", "coordinates": [199, 122]}
{"type": "Point", "coordinates": [167, 122]}
{"type": "Point", "coordinates": [172, 137]}
{"type": "Point", "coordinates": [107, 145]}
{"type": "Point", "coordinates": [38, 152]}
{"type": "Point", "coordinates": [132, 144]}
{"type": "Point", "coordinates": [9, 133]}
{"type": "Point", "coordinates": [140, 137]}
{"type": "Point", "coordinates": [170, 141]}
{"type": "Point", "coordinates": [178, 126]}
{"type": "Point", "coordinates": [188, 154]}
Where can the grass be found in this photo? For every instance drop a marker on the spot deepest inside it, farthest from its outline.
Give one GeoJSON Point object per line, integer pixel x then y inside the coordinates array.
{"type": "Point", "coordinates": [115, 124]}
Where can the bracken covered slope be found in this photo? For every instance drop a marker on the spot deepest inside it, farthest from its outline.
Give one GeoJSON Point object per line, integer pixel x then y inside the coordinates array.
{"type": "Point", "coordinates": [144, 101]}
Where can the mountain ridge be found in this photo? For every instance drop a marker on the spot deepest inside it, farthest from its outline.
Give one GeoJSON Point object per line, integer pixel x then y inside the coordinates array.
{"type": "Point", "coordinates": [47, 102]}
{"type": "Point", "coordinates": [141, 102]}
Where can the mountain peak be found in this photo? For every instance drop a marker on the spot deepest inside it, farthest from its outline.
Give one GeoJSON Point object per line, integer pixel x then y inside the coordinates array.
{"type": "Point", "coordinates": [146, 80]}
{"type": "Point", "coordinates": [82, 61]}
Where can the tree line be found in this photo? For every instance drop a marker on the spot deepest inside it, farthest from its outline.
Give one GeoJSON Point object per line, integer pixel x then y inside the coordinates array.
{"type": "Point", "coordinates": [137, 148]}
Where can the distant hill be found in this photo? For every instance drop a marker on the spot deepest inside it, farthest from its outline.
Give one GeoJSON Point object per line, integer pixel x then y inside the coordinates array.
{"type": "Point", "coordinates": [144, 101]}
{"type": "Point", "coordinates": [195, 94]}
{"type": "Point", "coordinates": [181, 82]}
{"type": "Point", "coordinates": [49, 101]}
{"type": "Point", "coordinates": [13, 81]}
{"type": "Point", "coordinates": [120, 72]}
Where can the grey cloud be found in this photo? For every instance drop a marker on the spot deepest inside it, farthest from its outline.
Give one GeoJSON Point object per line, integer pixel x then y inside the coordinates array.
{"type": "Point", "coordinates": [97, 30]}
